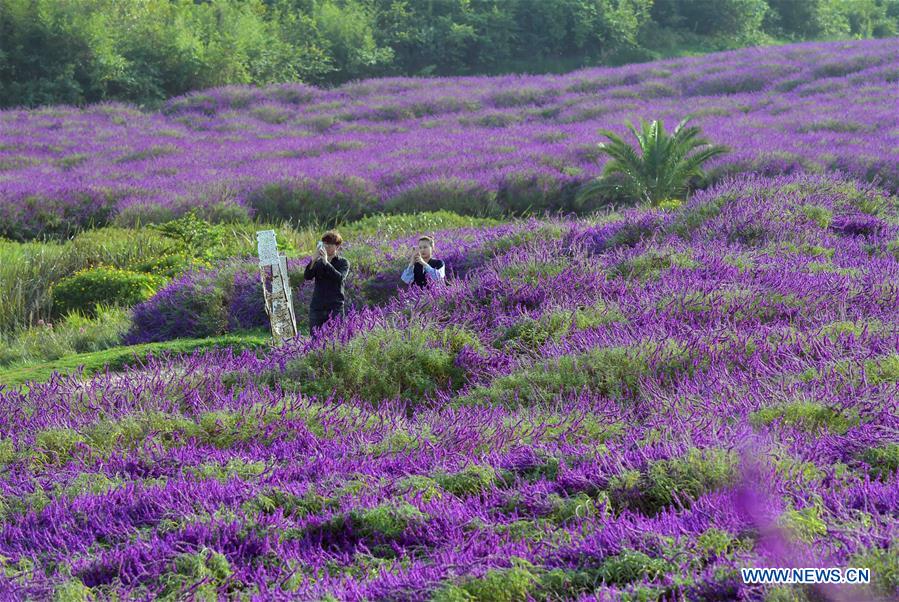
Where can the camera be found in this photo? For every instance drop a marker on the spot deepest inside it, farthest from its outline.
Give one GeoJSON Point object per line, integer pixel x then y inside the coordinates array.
{"type": "Point", "coordinates": [319, 246]}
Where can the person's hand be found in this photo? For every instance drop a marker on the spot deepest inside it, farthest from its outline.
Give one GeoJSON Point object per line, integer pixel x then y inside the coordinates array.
{"type": "Point", "coordinates": [322, 254]}
{"type": "Point", "coordinates": [418, 259]}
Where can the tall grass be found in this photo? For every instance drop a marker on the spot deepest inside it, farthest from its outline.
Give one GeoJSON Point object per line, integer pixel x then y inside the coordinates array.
{"type": "Point", "coordinates": [29, 270]}
{"type": "Point", "coordinates": [75, 333]}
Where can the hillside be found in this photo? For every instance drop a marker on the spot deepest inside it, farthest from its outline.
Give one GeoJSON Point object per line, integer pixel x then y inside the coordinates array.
{"type": "Point", "coordinates": [475, 145]}
{"type": "Point", "coordinates": [629, 406]}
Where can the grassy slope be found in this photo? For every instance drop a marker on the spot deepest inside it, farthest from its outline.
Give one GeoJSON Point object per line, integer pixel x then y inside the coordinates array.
{"type": "Point", "coordinates": [118, 357]}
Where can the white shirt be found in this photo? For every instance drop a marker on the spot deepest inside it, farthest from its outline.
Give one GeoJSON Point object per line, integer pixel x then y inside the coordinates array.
{"type": "Point", "coordinates": [408, 274]}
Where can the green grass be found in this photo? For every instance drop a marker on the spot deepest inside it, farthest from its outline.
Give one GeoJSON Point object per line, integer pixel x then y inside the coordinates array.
{"type": "Point", "coordinates": [118, 357]}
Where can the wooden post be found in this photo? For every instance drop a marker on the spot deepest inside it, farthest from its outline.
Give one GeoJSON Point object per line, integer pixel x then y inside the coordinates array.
{"type": "Point", "coordinates": [276, 288]}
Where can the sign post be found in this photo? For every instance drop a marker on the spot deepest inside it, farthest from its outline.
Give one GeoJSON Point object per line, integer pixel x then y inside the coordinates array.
{"type": "Point", "coordinates": [276, 288]}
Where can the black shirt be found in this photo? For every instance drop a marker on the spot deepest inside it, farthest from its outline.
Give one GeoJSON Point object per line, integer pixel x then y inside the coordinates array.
{"type": "Point", "coordinates": [329, 279]}
{"type": "Point", "coordinates": [418, 271]}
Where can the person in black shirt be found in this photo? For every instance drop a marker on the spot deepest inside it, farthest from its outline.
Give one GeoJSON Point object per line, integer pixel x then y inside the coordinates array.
{"type": "Point", "coordinates": [424, 266]}
{"type": "Point", "coordinates": [329, 272]}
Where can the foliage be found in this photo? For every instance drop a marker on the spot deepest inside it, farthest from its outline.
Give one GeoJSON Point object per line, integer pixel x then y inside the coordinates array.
{"type": "Point", "coordinates": [665, 166]}
{"type": "Point", "coordinates": [627, 468]}
{"type": "Point", "coordinates": [145, 52]}
{"type": "Point", "coordinates": [386, 363]}
{"type": "Point", "coordinates": [677, 480]}
{"type": "Point", "coordinates": [116, 358]}
{"type": "Point", "coordinates": [74, 333]}
{"type": "Point", "coordinates": [501, 585]}
{"type": "Point", "coordinates": [805, 415]}
{"type": "Point", "coordinates": [84, 290]}
{"type": "Point", "coordinates": [883, 562]}
{"type": "Point", "coordinates": [612, 371]}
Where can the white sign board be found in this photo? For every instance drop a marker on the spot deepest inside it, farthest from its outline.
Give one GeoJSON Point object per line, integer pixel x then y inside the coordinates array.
{"type": "Point", "coordinates": [267, 247]}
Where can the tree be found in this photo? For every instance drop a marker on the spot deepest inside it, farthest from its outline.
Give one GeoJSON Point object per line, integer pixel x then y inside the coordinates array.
{"type": "Point", "coordinates": [664, 168]}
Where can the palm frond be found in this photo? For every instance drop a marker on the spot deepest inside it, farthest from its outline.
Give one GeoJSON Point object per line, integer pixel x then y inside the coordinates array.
{"type": "Point", "coordinates": [664, 166]}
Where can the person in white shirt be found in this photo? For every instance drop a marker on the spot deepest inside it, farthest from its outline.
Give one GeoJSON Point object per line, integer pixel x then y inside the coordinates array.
{"type": "Point", "coordinates": [424, 267]}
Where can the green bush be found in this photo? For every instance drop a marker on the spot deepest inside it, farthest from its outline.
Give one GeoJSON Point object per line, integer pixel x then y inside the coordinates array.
{"type": "Point", "coordinates": [531, 333]}
{"type": "Point", "coordinates": [683, 479]}
{"type": "Point", "coordinates": [386, 520]}
{"type": "Point", "coordinates": [193, 236]}
{"type": "Point", "coordinates": [575, 507]}
{"type": "Point", "coordinates": [883, 370]}
{"type": "Point", "coordinates": [28, 270]}
{"type": "Point", "coordinates": [514, 584]}
{"type": "Point", "coordinates": [806, 415]}
{"type": "Point", "coordinates": [884, 460]}
{"type": "Point", "coordinates": [72, 590]}
{"type": "Point", "coordinates": [389, 226]}
{"type": "Point", "coordinates": [383, 363]}
{"type": "Point", "coordinates": [86, 289]}
{"type": "Point", "coordinates": [884, 566]}
{"type": "Point", "coordinates": [533, 270]}
{"type": "Point", "coordinates": [292, 506]}
{"type": "Point", "coordinates": [820, 215]}
{"type": "Point", "coordinates": [651, 264]}
{"type": "Point", "coordinates": [132, 431]}
{"type": "Point", "coordinates": [610, 371]}
{"type": "Point", "coordinates": [415, 485]}
{"type": "Point", "coordinates": [56, 445]}
{"type": "Point", "coordinates": [629, 566]}
{"type": "Point", "coordinates": [7, 452]}
{"type": "Point", "coordinates": [805, 525]}
{"type": "Point", "coordinates": [168, 265]}
{"type": "Point", "coordinates": [470, 481]}
{"type": "Point", "coordinates": [208, 568]}
{"type": "Point", "coordinates": [540, 232]}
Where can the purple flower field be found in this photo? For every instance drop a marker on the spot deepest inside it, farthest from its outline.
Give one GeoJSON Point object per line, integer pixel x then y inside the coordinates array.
{"type": "Point", "coordinates": [632, 406]}
{"type": "Point", "coordinates": [469, 144]}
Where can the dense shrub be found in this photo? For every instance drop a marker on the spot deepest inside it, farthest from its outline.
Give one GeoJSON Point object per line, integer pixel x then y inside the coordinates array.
{"type": "Point", "coordinates": [84, 290]}
{"type": "Point", "coordinates": [736, 18]}
{"type": "Point", "coordinates": [202, 572]}
{"type": "Point", "coordinates": [883, 459]}
{"type": "Point", "coordinates": [651, 264]}
{"type": "Point", "coordinates": [385, 363]}
{"type": "Point", "coordinates": [607, 371]}
{"type": "Point", "coordinates": [472, 480]}
{"type": "Point", "coordinates": [883, 562]}
{"type": "Point", "coordinates": [681, 480]}
{"type": "Point", "coordinates": [805, 415]}
{"type": "Point", "coordinates": [387, 520]}
{"type": "Point", "coordinates": [531, 333]}
{"type": "Point", "coordinates": [387, 226]}
{"type": "Point", "coordinates": [514, 584]}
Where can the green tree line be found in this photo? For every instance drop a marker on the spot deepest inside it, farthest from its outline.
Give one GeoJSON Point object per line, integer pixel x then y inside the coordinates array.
{"type": "Point", "coordinates": [144, 51]}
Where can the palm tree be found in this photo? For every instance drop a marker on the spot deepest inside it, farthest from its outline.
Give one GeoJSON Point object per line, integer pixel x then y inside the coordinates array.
{"type": "Point", "coordinates": [662, 170]}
